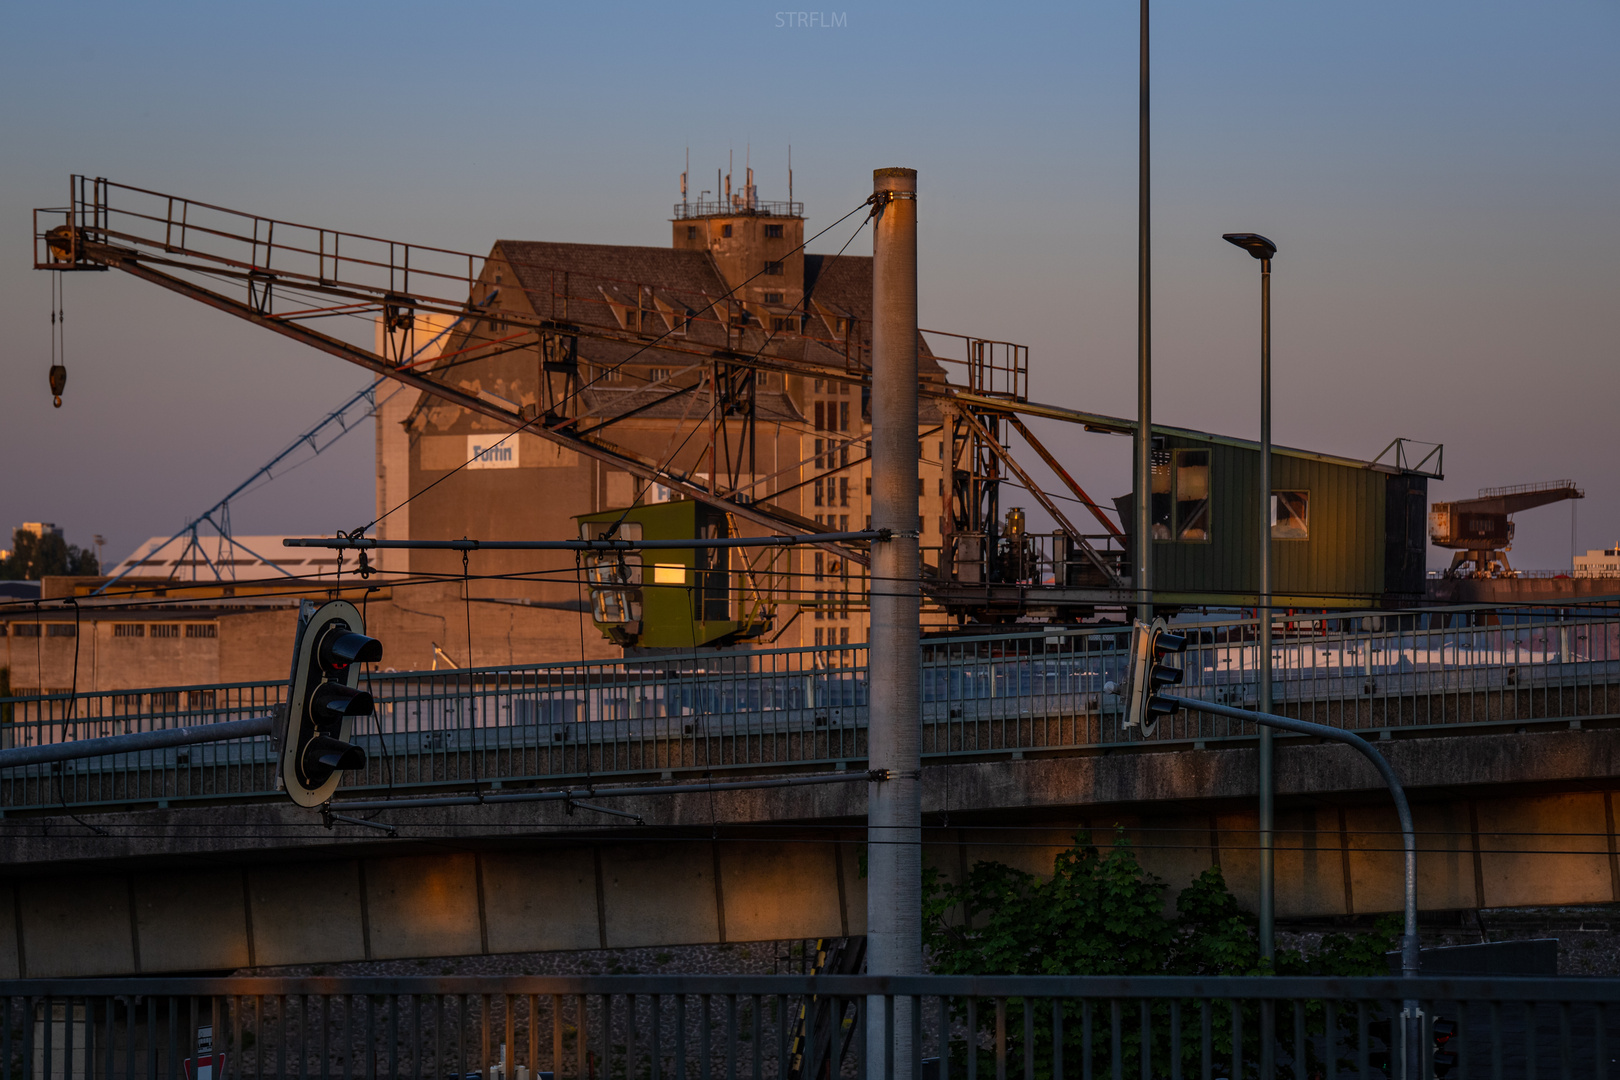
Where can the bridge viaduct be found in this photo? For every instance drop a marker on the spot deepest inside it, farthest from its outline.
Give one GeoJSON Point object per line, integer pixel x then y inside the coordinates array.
{"type": "Point", "coordinates": [1510, 752]}
{"type": "Point", "coordinates": [1506, 819]}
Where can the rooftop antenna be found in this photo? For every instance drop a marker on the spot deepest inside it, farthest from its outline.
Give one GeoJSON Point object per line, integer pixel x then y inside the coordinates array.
{"type": "Point", "coordinates": [790, 178]}
{"type": "Point", "coordinates": [683, 174]}
{"type": "Point", "coordinates": [731, 159]}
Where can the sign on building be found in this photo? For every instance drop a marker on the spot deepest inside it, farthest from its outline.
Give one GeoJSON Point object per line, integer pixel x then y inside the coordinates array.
{"type": "Point", "coordinates": [489, 452]}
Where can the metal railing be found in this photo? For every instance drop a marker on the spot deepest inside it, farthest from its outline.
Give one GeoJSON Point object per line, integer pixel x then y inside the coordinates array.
{"type": "Point", "coordinates": [804, 1028]}
{"type": "Point", "coordinates": [790, 708]}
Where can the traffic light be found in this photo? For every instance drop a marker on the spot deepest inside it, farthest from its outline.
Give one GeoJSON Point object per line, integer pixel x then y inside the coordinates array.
{"type": "Point", "coordinates": [1151, 648]}
{"type": "Point", "coordinates": [1386, 1058]}
{"type": "Point", "coordinates": [323, 701]}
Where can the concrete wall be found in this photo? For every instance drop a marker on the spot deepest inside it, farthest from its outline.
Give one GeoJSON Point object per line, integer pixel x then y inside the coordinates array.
{"type": "Point", "coordinates": [427, 905]}
{"type": "Point", "coordinates": [1540, 849]}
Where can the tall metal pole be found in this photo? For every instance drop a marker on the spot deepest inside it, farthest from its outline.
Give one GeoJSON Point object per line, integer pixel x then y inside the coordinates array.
{"type": "Point", "coordinates": [1142, 572]}
{"type": "Point", "coordinates": [1268, 809]}
{"type": "Point", "coordinates": [894, 808]}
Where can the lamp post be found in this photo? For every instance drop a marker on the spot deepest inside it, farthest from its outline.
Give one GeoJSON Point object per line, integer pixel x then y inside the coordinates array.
{"type": "Point", "coordinates": [1264, 250]}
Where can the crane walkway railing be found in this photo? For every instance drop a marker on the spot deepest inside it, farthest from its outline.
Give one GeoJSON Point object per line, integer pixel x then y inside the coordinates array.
{"type": "Point", "coordinates": [769, 708]}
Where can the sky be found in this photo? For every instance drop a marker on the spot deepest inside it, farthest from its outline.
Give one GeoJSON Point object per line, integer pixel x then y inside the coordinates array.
{"type": "Point", "coordinates": [1439, 179]}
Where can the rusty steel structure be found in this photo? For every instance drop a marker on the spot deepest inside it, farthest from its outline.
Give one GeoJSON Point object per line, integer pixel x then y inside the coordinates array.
{"type": "Point", "coordinates": [1480, 531]}
{"type": "Point", "coordinates": [284, 277]}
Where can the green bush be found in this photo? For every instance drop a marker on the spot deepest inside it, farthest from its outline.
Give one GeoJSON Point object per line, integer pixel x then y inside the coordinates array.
{"type": "Point", "coordinates": [1100, 913]}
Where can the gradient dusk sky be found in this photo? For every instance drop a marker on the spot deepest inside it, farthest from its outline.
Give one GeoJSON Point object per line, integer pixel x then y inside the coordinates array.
{"type": "Point", "coordinates": [1441, 179]}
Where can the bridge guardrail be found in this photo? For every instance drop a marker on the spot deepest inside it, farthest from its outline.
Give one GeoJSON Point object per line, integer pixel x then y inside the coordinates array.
{"type": "Point", "coordinates": [1027, 691]}
{"type": "Point", "coordinates": [671, 1027]}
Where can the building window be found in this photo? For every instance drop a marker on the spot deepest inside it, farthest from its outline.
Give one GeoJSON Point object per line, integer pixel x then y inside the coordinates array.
{"type": "Point", "coordinates": [820, 501]}
{"type": "Point", "coordinates": [774, 269]}
{"type": "Point", "coordinates": [1192, 495]}
{"type": "Point", "coordinates": [820, 566]}
{"type": "Point", "coordinates": [691, 232]}
{"type": "Point", "coordinates": [129, 630]}
{"type": "Point", "coordinates": [165, 630]}
{"type": "Point", "coordinates": [773, 298]}
{"type": "Point", "coordinates": [725, 230]}
{"type": "Point", "coordinates": [843, 416]}
{"type": "Point", "coordinates": [1290, 515]}
{"type": "Point", "coordinates": [773, 232]}
{"type": "Point", "coordinates": [821, 416]}
{"type": "Point", "coordinates": [1181, 493]}
{"type": "Point", "coordinates": [200, 699]}
{"type": "Point", "coordinates": [202, 630]}
{"type": "Point", "coordinates": [25, 629]}
{"type": "Point", "coordinates": [843, 491]}
{"type": "Point", "coordinates": [166, 701]}
{"type": "Point", "coordinates": [779, 324]}
{"type": "Point", "coordinates": [869, 485]}
{"type": "Point", "coordinates": [657, 374]}
{"type": "Point", "coordinates": [61, 629]}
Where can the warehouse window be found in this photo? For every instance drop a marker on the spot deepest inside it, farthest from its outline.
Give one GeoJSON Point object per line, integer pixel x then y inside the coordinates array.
{"type": "Point", "coordinates": [202, 630]}
{"type": "Point", "coordinates": [1290, 515]}
{"type": "Point", "coordinates": [61, 629]}
{"type": "Point", "coordinates": [165, 629]}
{"type": "Point", "coordinates": [25, 629]}
{"type": "Point", "coordinates": [129, 629]}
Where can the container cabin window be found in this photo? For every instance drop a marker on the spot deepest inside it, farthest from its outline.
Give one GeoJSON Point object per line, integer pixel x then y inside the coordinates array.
{"type": "Point", "coordinates": [1192, 495]}
{"type": "Point", "coordinates": [1290, 515]}
{"type": "Point", "coordinates": [1181, 495]}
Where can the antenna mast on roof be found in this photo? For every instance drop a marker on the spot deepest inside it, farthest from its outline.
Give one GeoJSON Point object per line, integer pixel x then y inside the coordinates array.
{"type": "Point", "coordinates": [683, 177]}
{"type": "Point", "coordinates": [790, 178]}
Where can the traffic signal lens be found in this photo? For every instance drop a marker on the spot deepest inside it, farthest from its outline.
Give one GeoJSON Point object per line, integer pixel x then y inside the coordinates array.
{"type": "Point", "coordinates": [1164, 675]}
{"type": "Point", "coordinates": [324, 755]}
{"type": "Point", "coordinates": [333, 701]}
{"type": "Point", "coordinates": [1164, 643]}
{"type": "Point", "coordinates": [339, 650]}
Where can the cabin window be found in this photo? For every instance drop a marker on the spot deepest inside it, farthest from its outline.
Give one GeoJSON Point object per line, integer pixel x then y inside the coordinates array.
{"type": "Point", "coordinates": [1180, 505]}
{"type": "Point", "coordinates": [1192, 495]}
{"type": "Point", "coordinates": [1290, 515]}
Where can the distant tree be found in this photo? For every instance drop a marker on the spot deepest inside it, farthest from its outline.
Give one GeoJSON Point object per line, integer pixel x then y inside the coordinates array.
{"type": "Point", "coordinates": [33, 557]}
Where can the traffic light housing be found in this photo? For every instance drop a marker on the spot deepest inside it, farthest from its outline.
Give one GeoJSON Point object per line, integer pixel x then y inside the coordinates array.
{"type": "Point", "coordinates": [323, 700]}
{"type": "Point", "coordinates": [1151, 673]}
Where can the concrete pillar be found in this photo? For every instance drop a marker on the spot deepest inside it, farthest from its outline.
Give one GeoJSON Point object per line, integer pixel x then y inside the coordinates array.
{"type": "Point", "coordinates": [894, 809]}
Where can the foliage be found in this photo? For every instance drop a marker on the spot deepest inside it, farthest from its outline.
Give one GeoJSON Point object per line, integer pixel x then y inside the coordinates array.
{"type": "Point", "coordinates": [1100, 913]}
{"type": "Point", "coordinates": [33, 557]}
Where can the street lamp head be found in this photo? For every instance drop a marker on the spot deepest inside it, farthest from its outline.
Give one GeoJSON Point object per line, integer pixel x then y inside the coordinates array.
{"type": "Point", "coordinates": [1253, 243]}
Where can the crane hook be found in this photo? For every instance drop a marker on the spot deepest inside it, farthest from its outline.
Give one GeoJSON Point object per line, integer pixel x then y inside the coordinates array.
{"type": "Point", "coordinates": [58, 383]}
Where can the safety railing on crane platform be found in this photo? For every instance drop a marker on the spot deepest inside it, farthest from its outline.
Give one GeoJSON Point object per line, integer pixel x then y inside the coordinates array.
{"type": "Point", "coordinates": [791, 708]}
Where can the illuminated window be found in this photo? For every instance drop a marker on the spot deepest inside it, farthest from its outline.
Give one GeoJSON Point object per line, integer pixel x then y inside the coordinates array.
{"type": "Point", "coordinates": [1290, 515]}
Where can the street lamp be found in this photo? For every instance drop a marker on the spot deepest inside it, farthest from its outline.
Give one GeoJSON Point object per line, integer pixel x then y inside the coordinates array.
{"type": "Point", "coordinates": [1264, 250]}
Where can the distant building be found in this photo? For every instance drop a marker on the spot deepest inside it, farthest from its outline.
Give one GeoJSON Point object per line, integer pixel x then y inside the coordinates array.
{"type": "Point", "coordinates": [1599, 562]}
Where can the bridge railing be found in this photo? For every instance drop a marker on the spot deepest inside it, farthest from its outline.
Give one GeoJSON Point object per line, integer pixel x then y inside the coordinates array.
{"type": "Point", "coordinates": [751, 709]}
{"type": "Point", "coordinates": [799, 1027]}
